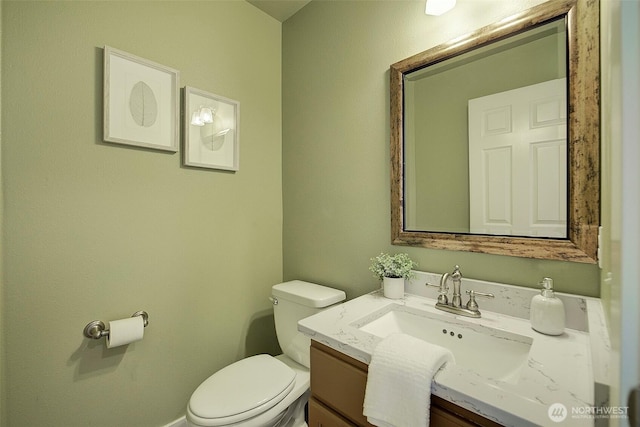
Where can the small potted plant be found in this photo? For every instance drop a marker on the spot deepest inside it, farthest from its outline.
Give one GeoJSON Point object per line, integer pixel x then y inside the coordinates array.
{"type": "Point", "coordinates": [392, 270]}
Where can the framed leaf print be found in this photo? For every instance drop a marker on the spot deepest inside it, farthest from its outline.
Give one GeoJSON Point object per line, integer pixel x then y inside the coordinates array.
{"type": "Point", "coordinates": [210, 130]}
{"type": "Point", "coordinates": [141, 102]}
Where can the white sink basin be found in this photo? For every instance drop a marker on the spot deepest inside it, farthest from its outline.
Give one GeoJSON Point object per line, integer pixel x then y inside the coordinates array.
{"type": "Point", "coordinates": [491, 353]}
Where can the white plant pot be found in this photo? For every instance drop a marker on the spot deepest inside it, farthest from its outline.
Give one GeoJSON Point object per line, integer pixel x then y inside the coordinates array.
{"type": "Point", "coordinates": [393, 287]}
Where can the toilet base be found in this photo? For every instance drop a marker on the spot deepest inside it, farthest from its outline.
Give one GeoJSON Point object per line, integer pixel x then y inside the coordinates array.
{"type": "Point", "coordinates": [294, 416]}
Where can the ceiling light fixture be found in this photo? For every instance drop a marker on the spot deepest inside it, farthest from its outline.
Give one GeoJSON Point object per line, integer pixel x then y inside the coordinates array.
{"type": "Point", "coordinates": [438, 7]}
{"type": "Point", "coordinates": [202, 116]}
{"type": "Point", "coordinates": [206, 114]}
{"type": "Point", "coordinates": [196, 120]}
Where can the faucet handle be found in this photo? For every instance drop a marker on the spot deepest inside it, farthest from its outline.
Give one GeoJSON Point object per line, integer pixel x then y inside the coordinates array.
{"type": "Point", "coordinates": [472, 304]}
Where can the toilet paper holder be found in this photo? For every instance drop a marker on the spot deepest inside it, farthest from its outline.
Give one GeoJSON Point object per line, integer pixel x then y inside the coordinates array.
{"type": "Point", "coordinates": [97, 328]}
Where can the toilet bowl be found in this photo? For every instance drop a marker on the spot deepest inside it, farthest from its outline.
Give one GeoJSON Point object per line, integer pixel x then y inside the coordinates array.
{"type": "Point", "coordinates": [253, 392]}
{"type": "Point", "coordinates": [263, 390]}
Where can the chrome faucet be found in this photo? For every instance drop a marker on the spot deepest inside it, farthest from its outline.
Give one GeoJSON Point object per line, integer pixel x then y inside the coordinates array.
{"type": "Point", "coordinates": [456, 277]}
{"type": "Point", "coordinates": [443, 289]}
{"type": "Point", "coordinates": [456, 307]}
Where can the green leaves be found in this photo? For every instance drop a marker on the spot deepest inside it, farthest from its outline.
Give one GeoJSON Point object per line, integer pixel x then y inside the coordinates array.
{"type": "Point", "coordinates": [399, 265]}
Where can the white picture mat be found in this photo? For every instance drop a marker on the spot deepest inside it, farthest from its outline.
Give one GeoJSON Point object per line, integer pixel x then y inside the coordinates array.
{"type": "Point", "coordinates": [122, 72]}
{"type": "Point", "coordinates": [201, 148]}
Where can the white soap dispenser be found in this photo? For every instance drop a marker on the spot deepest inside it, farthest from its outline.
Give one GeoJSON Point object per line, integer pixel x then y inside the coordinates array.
{"type": "Point", "coordinates": [547, 310]}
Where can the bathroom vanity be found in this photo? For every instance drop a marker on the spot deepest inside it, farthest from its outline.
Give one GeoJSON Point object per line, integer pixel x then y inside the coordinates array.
{"type": "Point", "coordinates": [337, 393]}
{"type": "Point", "coordinates": [505, 373]}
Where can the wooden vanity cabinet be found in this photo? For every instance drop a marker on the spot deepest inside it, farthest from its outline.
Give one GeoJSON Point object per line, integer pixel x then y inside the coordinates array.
{"type": "Point", "coordinates": [338, 384]}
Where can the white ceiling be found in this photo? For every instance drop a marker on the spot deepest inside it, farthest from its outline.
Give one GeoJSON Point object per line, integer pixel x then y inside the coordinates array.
{"type": "Point", "coordinates": [279, 9]}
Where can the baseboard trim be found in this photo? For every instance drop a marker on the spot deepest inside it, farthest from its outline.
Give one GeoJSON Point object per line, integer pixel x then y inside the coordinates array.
{"type": "Point", "coordinates": [180, 422]}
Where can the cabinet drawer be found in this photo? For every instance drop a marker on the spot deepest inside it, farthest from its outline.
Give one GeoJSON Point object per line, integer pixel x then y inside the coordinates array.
{"type": "Point", "coordinates": [321, 416]}
{"type": "Point", "coordinates": [441, 418]}
{"type": "Point", "coordinates": [339, 385]}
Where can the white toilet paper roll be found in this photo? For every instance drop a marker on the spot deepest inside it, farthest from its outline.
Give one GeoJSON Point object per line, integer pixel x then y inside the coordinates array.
{"type": "Point", "coordinates": [125, 331]}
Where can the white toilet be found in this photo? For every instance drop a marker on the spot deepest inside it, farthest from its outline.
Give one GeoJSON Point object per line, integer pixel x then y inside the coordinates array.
{"type": "Point", "coordinates": [264, 390]}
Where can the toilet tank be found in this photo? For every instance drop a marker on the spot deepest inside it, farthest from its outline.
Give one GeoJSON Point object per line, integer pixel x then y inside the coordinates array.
{"type": "Point", "coordinates": [293, 301]}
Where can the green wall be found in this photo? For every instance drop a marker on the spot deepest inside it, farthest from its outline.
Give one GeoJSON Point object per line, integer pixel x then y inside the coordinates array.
{"type": "Point", "coordinates": [98, 231]}
{"type": "Point", "coordinates": [336, 143]}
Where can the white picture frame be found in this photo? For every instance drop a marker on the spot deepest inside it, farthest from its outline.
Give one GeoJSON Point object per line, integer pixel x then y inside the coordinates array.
{"type": "Point", "coordinates": [215, 144]}
{"type": "Point", "coordinates": [141, 102]}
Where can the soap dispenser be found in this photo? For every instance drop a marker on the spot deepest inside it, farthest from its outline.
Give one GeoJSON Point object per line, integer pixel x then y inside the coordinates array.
{"type": "Point", "coordinates": [547, 310]}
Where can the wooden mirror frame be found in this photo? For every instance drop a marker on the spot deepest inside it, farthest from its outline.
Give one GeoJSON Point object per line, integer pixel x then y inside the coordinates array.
{"type": "Point", "coordinates": [583, 148]}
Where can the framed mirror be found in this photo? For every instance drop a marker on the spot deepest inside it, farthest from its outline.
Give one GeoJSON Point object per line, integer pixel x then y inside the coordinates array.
{"type": "Point", "coordinates": [463, 176]}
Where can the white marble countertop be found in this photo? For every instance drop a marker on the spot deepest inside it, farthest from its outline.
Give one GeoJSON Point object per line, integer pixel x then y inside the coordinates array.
{"type": "Point", "coordinates": [558, 370]}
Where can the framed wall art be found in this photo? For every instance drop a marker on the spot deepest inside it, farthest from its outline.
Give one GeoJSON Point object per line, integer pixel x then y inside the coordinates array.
{"type": "Point", "coordinates": [141, 102]}
{"type": "Point", "coordinates": [210, 130]}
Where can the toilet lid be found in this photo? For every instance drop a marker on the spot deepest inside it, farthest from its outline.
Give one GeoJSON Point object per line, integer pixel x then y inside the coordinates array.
{"type": "Point", "coordinates": [243, 389]}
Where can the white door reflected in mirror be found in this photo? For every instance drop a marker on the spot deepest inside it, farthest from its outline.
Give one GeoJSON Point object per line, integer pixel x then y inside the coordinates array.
{"type": "Point", "coordinates": [518, 161]}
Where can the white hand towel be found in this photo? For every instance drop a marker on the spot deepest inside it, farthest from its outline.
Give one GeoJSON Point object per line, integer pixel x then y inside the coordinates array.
{"type": "Point", "coordinates": [398, 392]}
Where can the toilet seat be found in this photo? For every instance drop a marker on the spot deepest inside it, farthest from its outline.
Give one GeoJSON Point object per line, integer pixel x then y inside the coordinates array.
{"type": "Point", "coordinates": [242, 390]}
